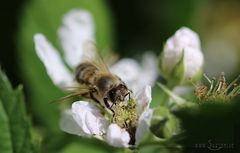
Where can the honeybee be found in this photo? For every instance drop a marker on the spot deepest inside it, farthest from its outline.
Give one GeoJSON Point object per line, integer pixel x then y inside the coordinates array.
{"type": "Point", "coordinates": [96, 82]}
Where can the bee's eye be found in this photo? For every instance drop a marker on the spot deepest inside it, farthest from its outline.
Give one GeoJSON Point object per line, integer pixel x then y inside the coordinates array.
{"type": "Point", "coordinates": [111, 95]}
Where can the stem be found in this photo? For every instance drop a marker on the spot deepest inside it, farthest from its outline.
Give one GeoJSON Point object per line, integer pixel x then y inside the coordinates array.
{"type": "Point", "coordinates": [165, 97]}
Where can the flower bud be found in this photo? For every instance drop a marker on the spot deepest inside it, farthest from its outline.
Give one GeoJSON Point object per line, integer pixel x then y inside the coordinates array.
{"type": "Point", "coordinates": [163, 123]}
{"type": "Point", "coordinates": [182, 57]}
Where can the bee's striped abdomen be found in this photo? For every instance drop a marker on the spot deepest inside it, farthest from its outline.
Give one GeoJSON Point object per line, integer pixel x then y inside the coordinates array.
{"type": "Point", "coordinates": [86, 73]}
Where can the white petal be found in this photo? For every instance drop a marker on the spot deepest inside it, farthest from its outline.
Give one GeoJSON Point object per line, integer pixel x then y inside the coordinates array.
{"type": "Point", "coordinates": [117, 137]}
{"type": "Point", "coordinates": [193, 60]}
{"type": "Point", "coordinates": [52, 62]}
{"type": "Point", "coordinates": [77, 28]}
{"type": "Point", "coordinates": [143, 99]}
{"type": "Point", "coordinates": [143, 124]}
{"type": "Point", "coordinates": [69, 125]}
{"type": "Point", "coordinates": [149, 70]}
{"type": "Point", "coordinates": [89, 118]}
{"type": "Point", "coordinates": [137, 76]}
{"type": "Point", "coordinates": [129, 71]}
{"type": "Point", "coordinates": [184, 37]}
{"type": "Point", "coordinates": [96, 125]}
{"type": "Point", "coordinates": [170, 57]}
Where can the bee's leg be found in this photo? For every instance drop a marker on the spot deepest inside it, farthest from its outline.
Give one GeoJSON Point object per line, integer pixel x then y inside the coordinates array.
{"type": "Point", "coordinates": [108, 106]}
{"type": "Point", "coordinates": [112, 105]}
{"type": "Point", "coordinates": [94, 98]}
{"type": "Point", "coordinates": [90, 95]}
{"type": "Point", "coordinates": [126, 125]}
{"type": "Point", "coordinates": [129, 95]}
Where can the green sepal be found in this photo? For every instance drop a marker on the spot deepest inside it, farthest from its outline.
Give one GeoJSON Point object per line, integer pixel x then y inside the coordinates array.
{"type": "Point", "coordinates": [158, 122]}
{"type": "Point", "coordinates": [163, 71]}
{"type": "Point", "coordinates": [149, 138]}
{"type": "Point", "coordinates": [177, 75]}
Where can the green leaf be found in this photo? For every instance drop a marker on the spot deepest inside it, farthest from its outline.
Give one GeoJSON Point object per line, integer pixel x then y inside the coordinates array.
{"type": "Point", "coordinates": [79, 148]}
{"type": "Point", "coordinates": [15, 128]}
{"type": "Point", "coordinates": [45, 16]}
{"type": "Point", "coordinates": [5, 136]}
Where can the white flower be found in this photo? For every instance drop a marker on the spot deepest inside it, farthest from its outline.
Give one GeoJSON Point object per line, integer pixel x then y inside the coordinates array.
{"type": "Point", "coordinates": [85, 119]}
{"type": "Point", "coordinates": [183, 40]}
{"type": "Point", "coordinates": [137, 76]}
{"type": "Point", "coordinates": [77, 29]}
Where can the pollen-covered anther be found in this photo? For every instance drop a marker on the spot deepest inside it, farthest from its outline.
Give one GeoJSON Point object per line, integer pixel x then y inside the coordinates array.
{"type": "Point", "coordinates": [126, 115]}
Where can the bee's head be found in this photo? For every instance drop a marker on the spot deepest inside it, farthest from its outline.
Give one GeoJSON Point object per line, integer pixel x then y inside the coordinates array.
{"type": "Point", "coordinates": [118, 93]}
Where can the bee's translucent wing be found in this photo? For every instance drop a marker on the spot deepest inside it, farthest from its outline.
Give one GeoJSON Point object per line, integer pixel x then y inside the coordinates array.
{"type": "Point", "coordinates": [74, 92]}
{"type": "Point", "coordinates": [92, 55]}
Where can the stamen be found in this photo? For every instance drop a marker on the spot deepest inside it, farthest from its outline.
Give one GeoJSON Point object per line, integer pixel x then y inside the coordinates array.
{"type": "Point", "coordinates": [234, 82]}
{"type": "Point", "coordinates": [217, 84]}
{"type": "Point", "coordinates": [207, 78]}
{"type": "Point", "coordinates": [219, 91]}
{"type": "Point", "coordinates": [211, 87]}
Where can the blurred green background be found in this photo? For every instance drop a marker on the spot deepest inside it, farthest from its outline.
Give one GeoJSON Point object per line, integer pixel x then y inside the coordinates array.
{"type": "Point", "coordinates": [129, 27]}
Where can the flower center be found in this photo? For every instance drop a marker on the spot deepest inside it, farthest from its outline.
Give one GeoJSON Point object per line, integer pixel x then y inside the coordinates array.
{"type": "Point", "coordinates": [126, 116]}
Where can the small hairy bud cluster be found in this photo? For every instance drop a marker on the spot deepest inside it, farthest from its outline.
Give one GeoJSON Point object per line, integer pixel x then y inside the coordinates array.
{"type": "Point", "coordinates": [219, 90]}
